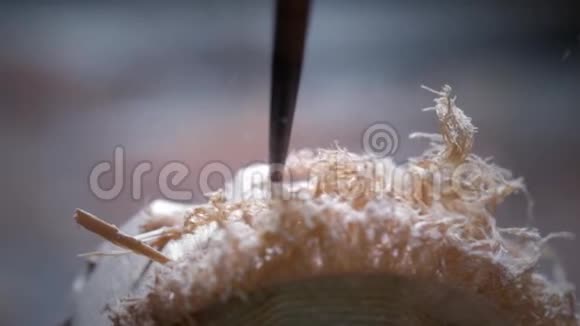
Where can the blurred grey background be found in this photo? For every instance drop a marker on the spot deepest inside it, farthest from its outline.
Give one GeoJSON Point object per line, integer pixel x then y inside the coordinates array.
{"type": "Point", "coordinates": [189, 82]}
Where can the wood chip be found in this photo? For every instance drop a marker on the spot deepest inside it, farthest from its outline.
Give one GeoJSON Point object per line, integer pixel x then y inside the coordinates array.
{"type": "Point", "coordinates": [112, 233]}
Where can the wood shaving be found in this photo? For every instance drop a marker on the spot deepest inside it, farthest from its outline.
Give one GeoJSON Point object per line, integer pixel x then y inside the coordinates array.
{"type": "Point", "coordinates": [430, 218]}
{"type": "Point", "coordinates": [111, 233]}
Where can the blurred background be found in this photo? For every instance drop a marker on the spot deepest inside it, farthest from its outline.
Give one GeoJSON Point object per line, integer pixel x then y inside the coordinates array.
{"type": "Point", "coordinates": [189, 82]}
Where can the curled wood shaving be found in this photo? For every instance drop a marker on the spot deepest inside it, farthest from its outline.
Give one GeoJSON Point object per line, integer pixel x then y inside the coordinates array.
{"type": "Point", "coordinates": [456, 128]}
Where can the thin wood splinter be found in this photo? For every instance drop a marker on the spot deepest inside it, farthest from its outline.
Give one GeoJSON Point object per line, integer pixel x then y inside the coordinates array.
{"type": "Point", "coordinates": [111, 233]}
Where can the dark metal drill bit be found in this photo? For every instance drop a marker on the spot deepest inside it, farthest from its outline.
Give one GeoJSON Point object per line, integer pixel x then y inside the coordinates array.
{"type": "Point", "coordinates": [291, 23]}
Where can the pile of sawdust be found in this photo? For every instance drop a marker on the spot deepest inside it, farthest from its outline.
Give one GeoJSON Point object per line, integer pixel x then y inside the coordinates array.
{"type": "Point", "coordinates": [430, 219]}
